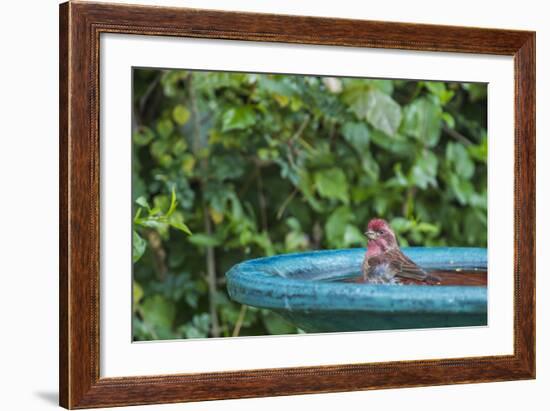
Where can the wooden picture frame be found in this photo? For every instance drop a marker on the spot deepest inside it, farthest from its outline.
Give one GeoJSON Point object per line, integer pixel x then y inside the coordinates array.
{"type": "Point", "coordinates": [80, 27]}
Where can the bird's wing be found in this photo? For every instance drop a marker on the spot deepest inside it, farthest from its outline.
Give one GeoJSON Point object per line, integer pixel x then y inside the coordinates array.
{"type": "Point", "coordinates": [404, 267]}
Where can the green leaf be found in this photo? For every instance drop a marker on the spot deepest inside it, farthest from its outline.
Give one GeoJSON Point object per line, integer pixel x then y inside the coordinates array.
{"type": "Point", "coordinates": [198, 327]}
{"type": "Point", "coordinates": [276, 325]}
{"type": "Point", "coordinates": [160, 148]}
{"type": "Point", "coordinates": [263, 241]}
{"type": "Point", "coordinates": [424, 171]}
{"type": "Point", "coordinates": [383, 112]}
{"type": "Point", "coordinates": [399, 179]}
{"type": "Point", "coordinates": [173, 202]}
{"type": "Point", "coordinates": [180, 114]}
{"type": "Point", "coordinates": [238, 118]}
{"type": "Point", "coordinates": [357, 134]}
{"type": "Point", "coordinates": [150, 223]}
{"type": "Point", "coordinates": [458, 157]}
{"type": "Point", "coordinates": [422, 120]}
{"type": "Point", "coordinates": [398, 144]}
{"type": "Point", "coordinates": [353, 236]}
{"type": "Point", "coordinates": [462, 189]}
{"type": "Point", "coordinates": [335, 227]}
{"type": "Point", "coordinates": [177, 221]}
{"type": "Point", "coordinates": [435, 87]}
{"type": "Point", "coordinates": [179, 147]}
{"type": "Point", "coordinates": [331, 183]}
{"type": "Point", "coordinates": [188, 163]}
{"type": "Point", "coordinates": [180, 226]}
{"type": "Point", "coordinates": [427, 228]}
{"type": "Point", "coordinates": [165, 128]}
{"type": "Point", "coordinates": [138, 246]}
{"type": "Point", "coordinates": [479, 151]}
{"type": "Point", "coordinates": [449, 119]}
{"type": "Point", "coordinates": [381, 204]}
{"type": "Point", "coordinates": [171, 80]}
{"type": "Point", "coordinates": [227, 167]}
{"type": "Point", "coordinates": [385, 86]}
{"type": "Point", "coordinates": [205, 240]}
{"type": "Point", "coordinates": [306, 186]}
{"type": "Point", "coordinates": [439, 89]}
{"type": "Point", "coordinates": [401, 225]}
{"type": "Point", "coordinates": [378, 108]}
{"type": "Point", "coordinates": [137, 292]}
{"type": "Point", "coordinates": [142, 201]}
{"type": "Point", "coordinates": [476, 91]}
{"type": "Point", "coordinates": [370, 166]}
{"type": "Point", "coordinates": [143, 136]}
{"type": "Point", "coordinates": [158, 311]}
{"type": "Point", "coordinates": [356, 97]}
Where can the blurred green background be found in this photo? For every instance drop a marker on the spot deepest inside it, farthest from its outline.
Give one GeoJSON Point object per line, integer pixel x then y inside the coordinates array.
{"type": "Point", "coordinates": [233, 166]}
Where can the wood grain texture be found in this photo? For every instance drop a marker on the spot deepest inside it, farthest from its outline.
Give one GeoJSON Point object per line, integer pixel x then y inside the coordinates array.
{"type": "Point", "coordinates": [63, 205]}
{"type": "Point", "coordinates": [80, 27]}
{"type": "Point", "coordinates": [525, 204]}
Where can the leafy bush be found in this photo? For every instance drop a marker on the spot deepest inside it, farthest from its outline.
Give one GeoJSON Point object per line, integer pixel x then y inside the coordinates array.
{"type": "Point", "coordinates": [255, 165]}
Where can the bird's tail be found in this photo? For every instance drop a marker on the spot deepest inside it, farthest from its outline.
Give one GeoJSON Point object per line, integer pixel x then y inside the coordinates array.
{"type": "Point", "coordinates": [432, 279]}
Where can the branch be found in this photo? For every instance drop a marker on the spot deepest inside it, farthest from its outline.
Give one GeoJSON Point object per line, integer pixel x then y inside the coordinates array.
{"type": "Point", "coordinates": [457, 136]}
{"type": "Point", "coordinates": [286, 203]}
{"type": "Point", "coordinates": [261, 199]}
{"type": "Point", "coordinates": [408, 204]}
{"type": "Point", "coordinates": [301, 129]}
{"type": "Point", "coordinates": [144, 99]}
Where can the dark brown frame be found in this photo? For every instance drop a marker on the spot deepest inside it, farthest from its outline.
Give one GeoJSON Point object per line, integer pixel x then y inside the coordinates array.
{"type": "Point", "coordinates": [80, 27]}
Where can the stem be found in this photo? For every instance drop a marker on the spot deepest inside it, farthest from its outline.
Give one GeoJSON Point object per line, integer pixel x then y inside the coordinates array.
{"type": "Point", "coordinates": [195, 114]}
{"type": "Point", "coordinates": [296, 137]}
{"type": "Point", "coordinates": [301, 129]}
{"type": "Point", "coordinates": [286, 203]}
{"type": "Point", "coordinates": [211, 277]}
{"type": "Point", "coordinates": [247, 184]}
{"type": "Point", "coordinates": [159, 253]}
{"type": "Point", "coordinates": [408, 204]}
{"type": "Point", "coordinates": [148, 93]}
{"type": "Point", "coordinates": [317, 235]}
{"type": "Point", "coordinates": [240, 320]}
{"type": "Point", "coordinates": [332, 134]}
{"type": "Point", "coordinates": [210, 255]}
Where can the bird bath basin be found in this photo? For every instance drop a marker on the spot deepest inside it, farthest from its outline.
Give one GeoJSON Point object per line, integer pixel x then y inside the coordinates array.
{"type": "Point", "coordinates": [310, 290]}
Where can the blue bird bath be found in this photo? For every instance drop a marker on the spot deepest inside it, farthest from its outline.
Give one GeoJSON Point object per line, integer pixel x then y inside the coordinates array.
{"type": "Point", "coordinates": [307, 290]}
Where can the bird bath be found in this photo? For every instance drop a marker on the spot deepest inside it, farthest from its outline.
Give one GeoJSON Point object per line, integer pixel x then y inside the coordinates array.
{"type": "Point", "coordinates": [310, 290]}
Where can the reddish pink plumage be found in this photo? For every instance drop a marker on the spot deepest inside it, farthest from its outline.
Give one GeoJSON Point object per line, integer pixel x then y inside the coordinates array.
{"type": "Point", "coordinates": [378, 224]}
{"type": "Point", "coordinates": [384, 263]}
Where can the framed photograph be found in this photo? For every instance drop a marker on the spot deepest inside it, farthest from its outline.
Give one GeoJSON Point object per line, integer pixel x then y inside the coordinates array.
{"type": "Point", "coordinates": [259, 205]}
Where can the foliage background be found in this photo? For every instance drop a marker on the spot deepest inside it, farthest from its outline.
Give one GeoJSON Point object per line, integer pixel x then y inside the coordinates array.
{"type": "Point", "coordinates": [232, 166]}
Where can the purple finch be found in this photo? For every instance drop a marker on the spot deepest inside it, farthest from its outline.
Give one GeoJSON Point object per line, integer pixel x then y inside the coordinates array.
{"type": "Point", "coordinates": [384, 262]}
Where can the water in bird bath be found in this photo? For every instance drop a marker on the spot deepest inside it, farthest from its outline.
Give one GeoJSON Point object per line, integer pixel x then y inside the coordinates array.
{"type": "Point", "coordinates": [469, 277]}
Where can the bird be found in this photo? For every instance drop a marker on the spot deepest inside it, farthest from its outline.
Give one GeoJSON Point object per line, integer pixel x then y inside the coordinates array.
{"type": "Point", "coordinates": [385, 263]}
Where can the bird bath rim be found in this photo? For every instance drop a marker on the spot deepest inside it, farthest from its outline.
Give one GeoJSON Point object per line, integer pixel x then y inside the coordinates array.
{"type": "Point", "coordinates": [305, 282]}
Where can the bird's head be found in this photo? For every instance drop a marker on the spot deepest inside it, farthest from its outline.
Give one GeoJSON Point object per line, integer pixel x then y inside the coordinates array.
{"type": "Point", "coordinates": [380, 235]}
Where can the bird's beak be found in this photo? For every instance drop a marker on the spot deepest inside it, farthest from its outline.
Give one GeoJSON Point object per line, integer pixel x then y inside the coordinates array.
{"type": "Point", "coordinates": [371, 235]}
